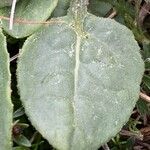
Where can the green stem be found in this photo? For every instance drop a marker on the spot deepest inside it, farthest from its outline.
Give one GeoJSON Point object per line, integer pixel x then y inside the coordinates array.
{"type": "Point", "coordinates": [78, 10]}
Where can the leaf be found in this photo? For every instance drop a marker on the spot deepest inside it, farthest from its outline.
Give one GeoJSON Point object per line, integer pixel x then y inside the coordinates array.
{"type": "Point", "coordinates": [99, 8]}
{"type": "Point", "coordinates": [79, 85]}
{"type": "Point", "coordinates": [146, 55]}
{"type": "Point", "coordinates": [19, 112]}
{"type": "Point", "coordinates": [20, 148]}
{"type": "Point", "coordinates": [146, 51]}
{"type": "Point", "coordinates": [4, 3]}
{"type": "Point", "coordinates": [5, 100]}
{"type": "Point", "coordinates": [142, 107]}
{"type": "Point", "coordinates": [28, 11]}
{"type": "Point", "coordinates": [22, 141]}
{"type": "Point", "coordinates": [61, 9]}
{"type": "Point", "coordinates": [146, 80]}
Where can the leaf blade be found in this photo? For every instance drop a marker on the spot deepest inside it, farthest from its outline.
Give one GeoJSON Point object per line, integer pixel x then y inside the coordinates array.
{"type": "Point", "coordinates": [29, 10]}
{"type": "Point", "coordinates": [84, 81]}
{"type": "Point", "coordinates": [5, 100]}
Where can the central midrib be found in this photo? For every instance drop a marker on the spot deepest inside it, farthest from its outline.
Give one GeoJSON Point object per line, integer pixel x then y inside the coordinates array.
{"type": "Point", "coordinates": [77, 63]}
{"type": "Point", "coordinates": [76, 77]}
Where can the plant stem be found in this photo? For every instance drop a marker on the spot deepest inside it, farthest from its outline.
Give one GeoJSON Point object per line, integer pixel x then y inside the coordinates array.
{"type": "Point", "coordinates": [78, 10]}
{"type": "Point", "coordinates": [145, 97]}
{"type": "Point", "coordinates": [105, 147]}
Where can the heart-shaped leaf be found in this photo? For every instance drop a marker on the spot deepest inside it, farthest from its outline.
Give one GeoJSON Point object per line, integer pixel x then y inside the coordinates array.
{"type": "Point", "coordinates": [27, 12]}
{"type": "Point", "coordinates": [79, 79]}
{"type": "Point", "coordinates": [5, 101]}
{"type": "Point", "coordinates": [4, 3]}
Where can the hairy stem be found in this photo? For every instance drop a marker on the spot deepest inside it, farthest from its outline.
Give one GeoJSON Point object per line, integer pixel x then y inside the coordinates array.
{"type": "Point", "coordinates": [78, 10]}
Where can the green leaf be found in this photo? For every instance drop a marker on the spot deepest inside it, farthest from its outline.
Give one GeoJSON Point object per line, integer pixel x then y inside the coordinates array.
{"type": "Point", "coordinates": [19, 112]}
{"type": "Point", "coordinates": [61, 9]}
{"type": "Point", "coordinates": [4, 3]}
{"type": "Point", "coordinates": [146, 51]}
{"type": "Point", "coordinates": [22, 141]}
{"type": "Point", "coordinates": [20, 148]}
{"type": "Point", "coordinates": [28, 10]}
{"type": "Point", "coordinates": [79, 85]}
{"type": "Point", "coordinates": [5, 100]}
{"type": "Point", "coordinates": [142, 107]}
{"type": "Point", "coordinates": [99, 8]}
{"type": "Point", "coordinates": [146, 80]}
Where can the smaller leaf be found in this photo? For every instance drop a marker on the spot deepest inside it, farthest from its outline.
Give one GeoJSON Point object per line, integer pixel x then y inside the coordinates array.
{"type": "Point", "coordinates": [29, 11]}
{"type": "Point", "coordinates": [147, 64]}
{"type": "Point", "coordinates": [20, 148]}
{"type": "Point", "coordinates": [146, 52]}
{"type": "Point", "coordinates": [146, 80]}
{"type": "Point", "coordinates": [23, 125]}
{"type": "Point", "coordinates": [142, 107]}
{"type": "Point", "coordinates": [22, 141]}
{"type": "Point", "coordinates": [19, 112]}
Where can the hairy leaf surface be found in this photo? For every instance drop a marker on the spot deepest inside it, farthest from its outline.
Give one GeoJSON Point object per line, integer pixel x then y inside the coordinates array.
{"type": "Point", "coordinates": [5, 101]}
{"type": "Point", "coordinates": [28, 11]}
{"type": "Point", "coordinates": [79, 88]}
